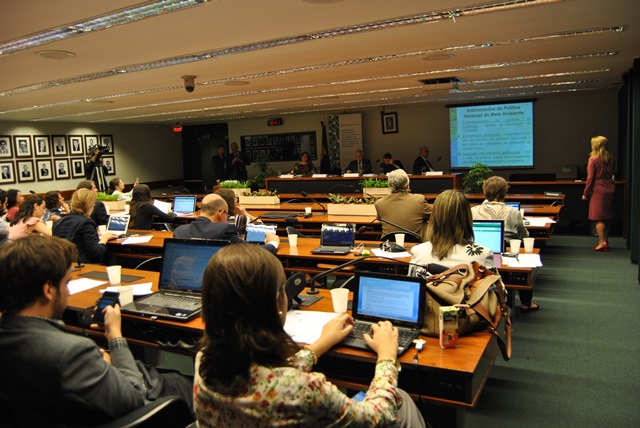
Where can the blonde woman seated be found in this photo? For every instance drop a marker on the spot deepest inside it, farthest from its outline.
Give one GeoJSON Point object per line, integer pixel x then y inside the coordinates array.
{"type": "Point", "coordinates": [116, 187]}
{"type": "Point", "coordinates": [450, 235]}
{"type": "Point", "coordinates": [28, 219]}
{"type": "Point", "coordinates": [249, 371]}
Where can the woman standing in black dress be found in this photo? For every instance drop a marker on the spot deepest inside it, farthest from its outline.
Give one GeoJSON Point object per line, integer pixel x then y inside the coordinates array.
{"type": "Point", "coordinates": [600, 189]}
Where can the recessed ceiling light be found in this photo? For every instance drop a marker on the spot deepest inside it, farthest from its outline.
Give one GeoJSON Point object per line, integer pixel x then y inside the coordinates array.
{"type": "Point", "coordinates": [236, 83]}
{"type": "Point", "coordinates": [56, 54]}
{"type": "Point", "coordinates": [438, 57]}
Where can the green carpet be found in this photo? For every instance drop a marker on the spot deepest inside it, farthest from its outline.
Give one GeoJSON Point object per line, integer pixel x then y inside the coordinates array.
{"type": "Point", "coordinates": [576, 361]}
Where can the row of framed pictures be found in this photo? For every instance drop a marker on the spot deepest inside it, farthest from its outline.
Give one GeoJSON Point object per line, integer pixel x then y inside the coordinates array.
{"type": "Point", "coordinates": [25, 171]}
{"type": "Point", "coordinates": [42, 146]}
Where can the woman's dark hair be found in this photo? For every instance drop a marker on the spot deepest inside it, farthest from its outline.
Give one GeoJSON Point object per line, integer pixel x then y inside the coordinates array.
{"type": "Point", "coordinates": [113, 183]}
{"type": "Point", "coordinates": [51, 199]}
{"type": "Point", "coordinates": [12, 198]}
{"type": "Point", "coordinates": [229, 197]}
{"type": "Point", "coordinates": [240, 290]}
{"type": "Point", "coordinates": [3, 197]}
{"type": "Point", "coordinates": [26, 209]}
{"type": "Point", "coordinates": [141, 195]}
{"type": "Point", "coordinates": [308, 156]}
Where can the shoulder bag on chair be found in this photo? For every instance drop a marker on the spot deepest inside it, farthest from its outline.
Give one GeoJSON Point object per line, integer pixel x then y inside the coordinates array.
{"type": "Point", "coordinates": [478, 292]}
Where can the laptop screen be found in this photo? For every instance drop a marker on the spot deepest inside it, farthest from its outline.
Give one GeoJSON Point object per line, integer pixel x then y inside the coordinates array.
{"type": "Point", "coordinates": [184, 204]}
{"type": "Point", "coordinates": [118, 224]}
{"type": "Point", "coordinates": [397, 298]}
{"type": "Point", "coordinates": [184, 261]}
{"type": "Point", "coordinates": [515, 205]}
{"type": "Point", "coordinates": [338, 234]}
{"type": "Point", "coordinates": [490, 234]}
{"type": "Point", "coordinates": [256, 232]}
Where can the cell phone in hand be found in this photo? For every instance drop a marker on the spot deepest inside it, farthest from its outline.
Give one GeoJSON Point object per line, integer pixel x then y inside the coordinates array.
{"type": "Point", "coordinates": [109, 298]}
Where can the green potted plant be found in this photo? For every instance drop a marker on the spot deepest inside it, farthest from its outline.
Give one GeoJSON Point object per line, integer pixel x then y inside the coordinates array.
{"type": "Point", "coordinates": [375, 187]}
{"type": "Point", "coordinates": [239, 187]}
{"type": "Point", "coordinates": [260, 197]}
{"type": "Point", "coordinates": [111, 202]}
{"type": "Point", "coordinates": [475, 178]}
{"type": "Point", "coordinates": [264, 166]}
{"type": "Point", "coordinates": [339, 205]}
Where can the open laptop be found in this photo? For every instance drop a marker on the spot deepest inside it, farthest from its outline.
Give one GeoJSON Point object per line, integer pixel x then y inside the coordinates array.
{"type": "Point", "coordinates": [336, 238]}
{"type": "Point", "coordinates": [118, 225]}
{"type": "Point", "coordinates": [515, 205]}
{"type": "Point", "coordinates": [490, 234]}
{"type": "Point", "coordinates": [256, 233]}
{"type": "Point", "coordinates": [180, 286]}
{"type": "Point", "coordinates": [379, 297]}
{"type": "Point", "coordinates": [184, 205]}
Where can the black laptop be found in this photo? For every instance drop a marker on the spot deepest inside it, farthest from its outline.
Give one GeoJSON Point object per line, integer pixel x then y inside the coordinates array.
{"type": "Point", "coordinates": [379, 297]}
{"type": "Point", "coordinates": [180, 287]}
{"type": "Point", "coordinates": [336, 238]}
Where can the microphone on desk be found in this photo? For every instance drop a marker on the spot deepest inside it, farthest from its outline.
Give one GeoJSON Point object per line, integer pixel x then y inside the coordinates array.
{"type": "Point", "coordinates": [404, 229]}
{"type": "Point", "coordinates": [366, 227]}
{"type": "Point", "coordinates": [312, 286]}
{"type": "Point", "coordinates": [305, 194]}
{"type": "Point", "coordinates": [294, 286]}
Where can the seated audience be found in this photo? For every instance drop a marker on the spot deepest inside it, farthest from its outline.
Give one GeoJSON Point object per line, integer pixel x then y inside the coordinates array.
{"type": "Point", "coordinates": [250, 372]}
{"type": "Point", "coordinates": [56, 206]}
{"type": "Point", "coordinates": [99, 214]}
{"type": "Point", "coordinates": [450, 235]}
{"type": "Point", "coordinates": [78, 228]}
{"type": "Point", "coordinates": [305, 167]}
{"type": "Point", "coordinates": [212, 224]}
{"type": "Point", "coordinates": [402, 207]}
{"type": "Point", "coordinates": [359, 164]}
{"type": "Point", "coordinates": [14, 200]}
{"type": "Point", "coordinates": [116, 187]}
{"type": "Point", "coordinates": [143, 212]}
{"type": "Point", "coordinates": [237, 215]}
{"type": "Point", "coordinates": [54, 378]}
{"type": "Point", "coordinates": [389, 164]}
{"type": "Point", "coordinates": [4, 226]}
{"type": "Point", "coordinates": [28, 219]}
{"type": "Point", "coordinates": [493, 208]}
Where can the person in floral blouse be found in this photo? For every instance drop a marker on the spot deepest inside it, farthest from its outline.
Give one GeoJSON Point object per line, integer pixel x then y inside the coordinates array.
{"type": "Point", "coordinates": [250, 373]}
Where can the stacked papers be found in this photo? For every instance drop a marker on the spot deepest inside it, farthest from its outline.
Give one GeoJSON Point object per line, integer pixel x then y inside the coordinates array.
{"type": "Point", "coordinates": [523, 261]}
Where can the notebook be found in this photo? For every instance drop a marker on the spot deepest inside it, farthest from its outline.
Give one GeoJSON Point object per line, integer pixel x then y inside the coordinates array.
{"type": "Point", "coordinates": [515, 205]}
{"type": "Point", "coordinates": [336, 238]}
{"type": "Point", "coordinates": [490, 234]}
{"type": "Point", "coordinates": [118, 225]}
{"type": "Point", "coordinates": [256, 232]}
{"type": "Point", "coordinates": [184, 204]}
{"type": "Point", "coordinates": [180, 286]}
{"type": "Point", "coordinates": [381, 296]}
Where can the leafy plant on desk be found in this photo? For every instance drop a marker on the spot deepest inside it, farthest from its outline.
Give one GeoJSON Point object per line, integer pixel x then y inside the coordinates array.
{"type": "Point", "coordinates": [261, 192]}
{"type": "Point", "coordinates": [264, 166]}
{"type": "Point", "coordinates": [339, 199]}
{"type": "Point", "coordinates": [475, 178]}
{"type": "Point", "coordinates": [374, 183]}
{"type": "Point", "coordinates": [105, 197]}
{"type": "Point", "coordinates": [234, 184]}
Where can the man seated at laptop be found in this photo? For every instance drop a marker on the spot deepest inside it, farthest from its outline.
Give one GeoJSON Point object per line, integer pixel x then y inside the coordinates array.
{"type": "Point", "coordinates": [212, 224]}
{"type": "Point", "coordinates": [51, 377]}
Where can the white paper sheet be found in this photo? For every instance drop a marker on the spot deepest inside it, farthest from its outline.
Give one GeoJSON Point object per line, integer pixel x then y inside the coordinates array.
{"type": "Point", "coordinates": [83, 284]}
{"type": "Point", "coordinates": [538, 221]}
{"type": "Point", "coordinates": [137, 239]}
{"type": "Point", "coordinates": [523, 260]}
{"type": "Point", "coordinates": [138, 289]}
{"type": "Point", "coordinates": [306, 326]}
{"type": "Point", "coordinates": [378, 252]}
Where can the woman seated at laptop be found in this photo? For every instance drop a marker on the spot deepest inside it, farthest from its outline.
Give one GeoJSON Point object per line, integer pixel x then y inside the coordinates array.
{"type": "Point", "coordinates": [78, 228]}
{"type": "Point", "coordinates": [249, 371]}
{"type": "Point", "coordinates": [142, 211]}
{"type": "Point", "coordinates": [493, 208]}
{"type": "Point", "coordinates": [450, 235]}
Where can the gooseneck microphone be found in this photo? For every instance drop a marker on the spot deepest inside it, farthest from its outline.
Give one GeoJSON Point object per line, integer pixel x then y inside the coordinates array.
{"type": "Point", "coordinates": [305, 194]}
{"type": "Point", "coordinates": [404, 229]}
{"type": "Point", "coordinates": [313, 290]}
{"type": "Point", "coordinates": [364, 228]}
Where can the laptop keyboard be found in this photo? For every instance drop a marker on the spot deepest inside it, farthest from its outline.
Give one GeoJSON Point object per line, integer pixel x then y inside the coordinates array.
{"type": "Point", "coordinates": [405, 336]}
{"type": "Point", "coordinates": [331, 249]}
{"type": "Point", "coordinates": [174, 301]}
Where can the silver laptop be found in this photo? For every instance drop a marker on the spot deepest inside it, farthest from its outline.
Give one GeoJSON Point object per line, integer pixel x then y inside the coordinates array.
{"type": "Point", "coordinates": [118, 225]}
{"type": "Point", "coordinates": [379, 297]}
{"type": "Point", "coordinates": [489, 234]}
{"type": "Point", "coordinates": [336, 238]}
{"type": "Point", "coordinates": [184, 205]}
{"type": "Point", "coordinates": [180, 288]}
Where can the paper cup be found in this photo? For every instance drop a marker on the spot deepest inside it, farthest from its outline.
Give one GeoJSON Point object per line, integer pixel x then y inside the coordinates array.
{"type": "Point", "coordinates": [307, 210]}
{"type": "Point", "coordinates": [114, 273]}
{"type": "Point", "coordinates": [293, 240]}
{"type": "Point", "coordinates": [528, 244]}
{"type": "Point", "coordinates": [400, 239]}
{"type": "Point", "coordinates": [102, 229]}
{"type": "Point", "coordinates": [340, 299]}
{"type": "Point", "coordinates": [515, 245]}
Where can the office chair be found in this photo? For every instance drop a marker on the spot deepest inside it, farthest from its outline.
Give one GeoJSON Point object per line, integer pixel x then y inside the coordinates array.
{"type": "Point", "coordinates": [408, 237]}
{"type": "Point", "coordinates": [170, 412]}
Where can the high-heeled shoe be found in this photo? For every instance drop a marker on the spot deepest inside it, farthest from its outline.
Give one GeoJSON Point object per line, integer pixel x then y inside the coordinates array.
{"type": "Point", "coordinates": [604, 248]}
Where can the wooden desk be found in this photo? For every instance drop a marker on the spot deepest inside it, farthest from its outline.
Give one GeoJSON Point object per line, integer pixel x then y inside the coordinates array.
{"type": "Point", "coordinates": [450, 379]}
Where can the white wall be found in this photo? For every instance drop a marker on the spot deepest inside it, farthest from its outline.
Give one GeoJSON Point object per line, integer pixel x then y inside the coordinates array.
{"type": "Point", "coordinates": [148, 152]}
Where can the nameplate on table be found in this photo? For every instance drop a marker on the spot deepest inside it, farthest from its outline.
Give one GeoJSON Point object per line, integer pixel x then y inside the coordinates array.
{"type": "Point", "coordinates": [351, 174]}
{"type": "Point", "coordinates": [286, 175]}
{"type": "Point", "coordinates": [319, 175]}
{"type": "Point", "coordinates": [433, 173]}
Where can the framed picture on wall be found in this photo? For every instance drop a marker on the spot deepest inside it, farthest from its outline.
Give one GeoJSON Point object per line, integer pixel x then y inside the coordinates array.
{"type": "Point", "coordinates": [110, 163]}
{"type": "Point", "coordinates": [75, 145]}
{"type": "Point", "coordinates": [90, 141]}
{"type": "Point", "coordinates": [44, 170]}
{"type": "Point", "coordinates": [7, 174]}
{"type": "Point", "coordinates": [61, 167]}
{"type": "Point", "coordinates": [25, 171]}
{"type": "Point", "coordinates": [42, 146]}
{"type": "Point", "coordinates": [389, 123]}
{"type": "Point", "coordinates": [60, 145]}
{"type": "Point", "coordinates": [22, 146]}
{"type": "Point", "coordinates": [107, 141]}
{"type": "Point", "coordinates": [77, 167]}
{"type": "Point", "coordinates": [6, 151]}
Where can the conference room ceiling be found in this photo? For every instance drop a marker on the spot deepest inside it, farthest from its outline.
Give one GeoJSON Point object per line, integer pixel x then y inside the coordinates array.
{"type": "Point", "coordinates": [268, 58]}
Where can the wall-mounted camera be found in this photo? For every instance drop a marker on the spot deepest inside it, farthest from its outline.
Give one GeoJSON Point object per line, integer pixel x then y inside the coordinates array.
{"type": "Point", "coordinates": [189, 83]}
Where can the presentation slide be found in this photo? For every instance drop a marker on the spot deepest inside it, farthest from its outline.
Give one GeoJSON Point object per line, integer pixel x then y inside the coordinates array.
{"type": "Point", "coordinates": [496, 135]}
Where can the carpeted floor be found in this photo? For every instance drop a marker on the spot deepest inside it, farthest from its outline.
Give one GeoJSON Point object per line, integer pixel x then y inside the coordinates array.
{"type": "Point", "coordinates": [576, 362]}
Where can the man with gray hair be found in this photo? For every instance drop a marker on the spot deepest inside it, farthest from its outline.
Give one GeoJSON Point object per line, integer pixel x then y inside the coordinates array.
{"type": "Point", "coordinates": [402, 207]}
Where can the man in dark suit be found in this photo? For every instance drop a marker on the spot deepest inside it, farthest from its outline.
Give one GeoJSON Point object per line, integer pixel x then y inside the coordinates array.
{"type": "Point", "coordinates": [389, 164]}
{"type": "Point", "coordinates": [212, 224]}
{"type": "Point", "coordinates": [359, 164]}
{"type": "Point", "coordinates": [422, 164]}
{"type": "Point", "coordinates": [49, 376]}
{"type": "Point", "coordinates": [6, 173]}
{"type": "Point", "coordinates": [44, 171]}
{"type": "Point", "coordinates": [219, 163]}
{"type": "Point", "coordinates": [25, 171]}
{"type": "Point", "coordinates": [237, 163]}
